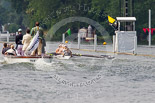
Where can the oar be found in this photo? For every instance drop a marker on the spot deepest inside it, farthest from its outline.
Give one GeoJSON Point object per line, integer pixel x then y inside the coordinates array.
{"type": "Point", "coordinates": [102, 56]}
{"type": "Point", "coordinates": [51, 54]}
{"type": "Point", "coordinates": [85, 55]}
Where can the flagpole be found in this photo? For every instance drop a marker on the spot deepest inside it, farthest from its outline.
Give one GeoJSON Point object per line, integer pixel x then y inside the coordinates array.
{"type": "Point", "coordinates": [63, 38]}
{"type": "Point", "coordinates": [63, 35]}
{"type": "Point", "coordinates": [149, 27]}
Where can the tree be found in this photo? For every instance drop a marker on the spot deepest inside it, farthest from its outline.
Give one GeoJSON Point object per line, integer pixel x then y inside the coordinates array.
{"type": "Point", "coordinates": [49, 12]}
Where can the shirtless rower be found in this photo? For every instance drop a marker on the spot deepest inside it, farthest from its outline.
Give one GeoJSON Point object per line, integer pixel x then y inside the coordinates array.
{"type": "Point", "coordinates": [66, 51]}
{"type": "Point", "coordinates": [59, 49]}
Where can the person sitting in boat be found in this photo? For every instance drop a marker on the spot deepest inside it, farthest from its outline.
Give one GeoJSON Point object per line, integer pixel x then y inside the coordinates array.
{"type": "Point", "coordinates": [11, 51]}
{"type": "Point", "coordinates": [66, 51]}
{"type": "Point", "coordinates": [9, 46]}
{"type": "Point", "coordinates": [5, 48]}
{"type": "Point", "coordinates": [26, 40]}
{"type": "Point", "coordinates": [59, 49]}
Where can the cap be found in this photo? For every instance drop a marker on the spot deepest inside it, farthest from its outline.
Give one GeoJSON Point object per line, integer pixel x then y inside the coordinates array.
{"type": "Point", "coordinates": [19, 30]}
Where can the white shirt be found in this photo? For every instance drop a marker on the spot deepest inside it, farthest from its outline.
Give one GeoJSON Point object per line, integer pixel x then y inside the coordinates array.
{"type": "Point", "coordinates": [11, 51]}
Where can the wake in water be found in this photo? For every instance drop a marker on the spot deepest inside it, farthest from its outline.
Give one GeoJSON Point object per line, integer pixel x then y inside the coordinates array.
{"type": "Point", "coordinates": [2, 61]}
{"type": "Point", "coordinates": [77, 67]}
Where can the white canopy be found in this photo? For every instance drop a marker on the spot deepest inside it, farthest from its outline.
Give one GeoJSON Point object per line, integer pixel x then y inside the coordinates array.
{"type": "Point", "coordinates": [126, 19]}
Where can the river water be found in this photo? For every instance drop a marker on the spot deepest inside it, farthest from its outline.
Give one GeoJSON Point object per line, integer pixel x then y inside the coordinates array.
{"type": "Point", "coordinates": [124, 79]}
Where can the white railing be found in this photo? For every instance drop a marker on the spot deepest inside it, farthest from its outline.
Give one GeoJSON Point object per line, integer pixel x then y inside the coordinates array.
{"type": "Point", "coordinates": [5, 37]}
{"type": "Point", "coordinates": [79, 41]}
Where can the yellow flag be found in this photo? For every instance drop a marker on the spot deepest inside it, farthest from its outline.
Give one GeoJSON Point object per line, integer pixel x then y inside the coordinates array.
{"type": "Point", "coordinates": [111, 20]}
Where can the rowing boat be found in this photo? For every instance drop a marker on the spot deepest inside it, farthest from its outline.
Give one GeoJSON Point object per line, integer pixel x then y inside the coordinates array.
{"type": "Point", "coordinates": [29, 59]}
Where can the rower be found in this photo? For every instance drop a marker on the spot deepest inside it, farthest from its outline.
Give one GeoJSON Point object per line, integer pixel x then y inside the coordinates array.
{"type": "Point", "coordinates": [66, 51]}
{"type": "Point", "coordinates": [59, 49]}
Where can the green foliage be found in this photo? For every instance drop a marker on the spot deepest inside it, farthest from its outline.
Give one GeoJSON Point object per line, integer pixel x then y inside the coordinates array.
{"type": "Point", "coordinates": [12, 28]}
{"type": "Point", "coordinates": [49, 12]}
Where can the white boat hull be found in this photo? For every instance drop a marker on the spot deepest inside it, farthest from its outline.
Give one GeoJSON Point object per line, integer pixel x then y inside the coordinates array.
{"type": "Point", "coordinates": [62, 57]}
{"type": "Point", "coordinates": [26, 59]}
